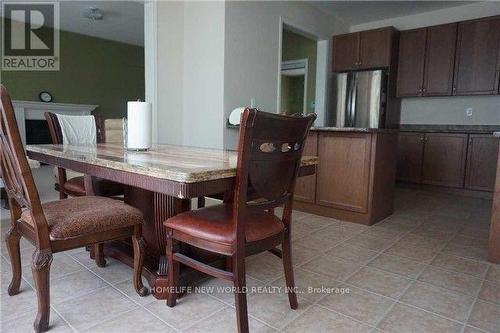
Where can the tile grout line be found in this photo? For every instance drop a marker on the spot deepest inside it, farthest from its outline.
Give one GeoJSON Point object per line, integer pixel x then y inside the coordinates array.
{"type": "Point", "coordinates": [64, 319]}
{"type": "Point", "coordinates": [391, 307]}
{"type": "Point", "coordinates": [473, 305]}
{"type": "Point", "coordinates": [233, 307]}
{"type": "Point", "coordinates": [350, 275]}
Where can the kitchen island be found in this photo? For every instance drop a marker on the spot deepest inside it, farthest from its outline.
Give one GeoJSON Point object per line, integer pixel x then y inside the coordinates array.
{"type": "Point", "coordinates": [355, 177]}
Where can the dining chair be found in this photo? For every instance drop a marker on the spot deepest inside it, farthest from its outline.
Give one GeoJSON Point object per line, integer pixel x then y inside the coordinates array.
{"type": "Point", "coordinates": [269, 155]}
{"type": "Point", "coordinates": [58, 225]}
{"type": "Point", "coordinates": [75, 185]}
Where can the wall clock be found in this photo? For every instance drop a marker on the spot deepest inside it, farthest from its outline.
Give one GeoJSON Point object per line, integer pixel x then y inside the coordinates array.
{"type": "Point", "coordinates": [45, 96]}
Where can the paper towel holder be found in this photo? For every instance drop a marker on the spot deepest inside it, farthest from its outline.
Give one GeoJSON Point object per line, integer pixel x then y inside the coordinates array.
{"type": "Point", "coordinates": [137, 126]}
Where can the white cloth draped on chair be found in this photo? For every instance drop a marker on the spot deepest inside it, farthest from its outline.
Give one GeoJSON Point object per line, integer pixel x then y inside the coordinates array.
{"type": "Point", "coordinates": [78, 130]}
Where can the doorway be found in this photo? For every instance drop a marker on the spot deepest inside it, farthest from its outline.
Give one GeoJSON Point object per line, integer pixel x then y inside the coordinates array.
{"type": "Point", "coordinates": [294, 87]}
{"type": "Point", "coordinates": [298, 73]}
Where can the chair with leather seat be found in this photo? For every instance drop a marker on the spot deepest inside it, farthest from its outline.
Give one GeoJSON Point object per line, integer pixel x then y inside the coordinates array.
{"type": "Point", "coordinates": [59, 225]}
{"type": "Point", "coordinates": [75, 185]}
{"type": "Point", "coordinates": [269, 155]}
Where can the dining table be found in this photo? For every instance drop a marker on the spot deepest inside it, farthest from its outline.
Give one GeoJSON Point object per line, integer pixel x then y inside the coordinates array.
{"type": "Point", "coordinates": [160, 182]}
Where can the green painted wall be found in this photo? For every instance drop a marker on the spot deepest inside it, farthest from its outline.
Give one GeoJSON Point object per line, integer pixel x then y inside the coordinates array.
{"type": "Point", "coordinates": [296, 47]}
{"type": "Point", "coordinates": [92, 71]}
{"type": "Point", "coordinates": [292, 94]}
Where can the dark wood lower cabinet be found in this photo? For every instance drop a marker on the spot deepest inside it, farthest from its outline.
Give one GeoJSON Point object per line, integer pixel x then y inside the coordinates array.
{"type": "Point", "coordinates": [344, 171]}
{"type": "Point", "coordinates": [305, 188]}
{"type": "Point", "coordinates": [481, 162]}
{"type": "Point", "coordinates": [410, 156]}
{"type": "Point", "coordinates": [444, 159]}
{"type": "Point", "coordinates": [448, 160]}
{"type": "Point", "coordinates": [355, 176]}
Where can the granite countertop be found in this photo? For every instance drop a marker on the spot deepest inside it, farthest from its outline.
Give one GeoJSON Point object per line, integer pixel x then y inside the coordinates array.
{"type": "Point", "coordinates": [480, 129]}
{"type": "Point", "coordinates": [176, 163]}
{"type": "Point", "coordinates": [353, 129]}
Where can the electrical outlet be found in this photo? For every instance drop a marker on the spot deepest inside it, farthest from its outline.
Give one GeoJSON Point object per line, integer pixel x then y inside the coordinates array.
{"type": "Point", "coordinates": [468, 112]}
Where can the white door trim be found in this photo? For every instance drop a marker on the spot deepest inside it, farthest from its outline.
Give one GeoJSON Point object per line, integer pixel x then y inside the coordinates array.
{"type": "Point", "coordinates": [151, 61]}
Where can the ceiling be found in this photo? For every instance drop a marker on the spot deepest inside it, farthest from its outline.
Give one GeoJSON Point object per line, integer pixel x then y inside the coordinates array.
{"type": "Point", "coordinates": [123, 21]}
{"type": "Point", "coordinates": [357, 12]}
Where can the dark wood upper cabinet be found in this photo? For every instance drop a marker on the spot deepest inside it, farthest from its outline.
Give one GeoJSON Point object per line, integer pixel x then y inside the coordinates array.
{"type": "Point", "coordinates": [444, 159]}
{"type": "Point", "coordinates": [345, 52]}
{"type": "Point", "coordinates": [439, 60]}
{"type": "Point", "coordinates": [410, 154]}
{"type": "Point", "coordinates": [363, 50]}
{"type": "Point", "coordinates": [411, 62]}
{"type": "Point", "coordinates": [426, 59]}
{"type": "Point", "coordinates": [375, 48]}
{"type": "Point", "coordinates": [481, 162]}
{"type": "Point", "coordinates": [305, 187]}
{"type": "Point", "coordinates": [477, 65]}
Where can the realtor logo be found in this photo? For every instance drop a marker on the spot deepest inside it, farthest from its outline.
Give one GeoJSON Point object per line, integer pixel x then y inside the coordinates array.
{"type": "Point", "coordinates": [30, 40]}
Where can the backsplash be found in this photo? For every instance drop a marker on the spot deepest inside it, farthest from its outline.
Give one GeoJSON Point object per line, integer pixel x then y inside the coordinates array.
{"type": "Point", "coordinates": [451, 110]}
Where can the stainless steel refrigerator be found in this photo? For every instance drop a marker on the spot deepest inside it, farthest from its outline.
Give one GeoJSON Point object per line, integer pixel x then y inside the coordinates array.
{"type": "Point", "coordinates": [358, 99]}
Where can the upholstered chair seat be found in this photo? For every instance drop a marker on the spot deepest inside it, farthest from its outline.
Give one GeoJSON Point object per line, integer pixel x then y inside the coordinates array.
{"type": "Point", "coordinates": [78, 217]}
{"type": "Point", "coordinates": [215, 224]}
{"type": "Point", "coordinates": [76, 187]}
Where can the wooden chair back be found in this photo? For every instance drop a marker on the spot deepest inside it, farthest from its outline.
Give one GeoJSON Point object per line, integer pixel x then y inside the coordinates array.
{"type": "Point", "coordinates": [54, 128]}
{"type": "Point", "coordinates": [269, 155]}
{"type": "Point", "coordinates": [56, 132]}
{"type": "Point", "coordinates": [57, 139]}
{"type": "Point", "coordinates": [16, 172]}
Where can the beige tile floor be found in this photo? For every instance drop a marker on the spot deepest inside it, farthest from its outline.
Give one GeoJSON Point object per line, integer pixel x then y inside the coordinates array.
{"type": "Point", "coordinates": [421, 270]}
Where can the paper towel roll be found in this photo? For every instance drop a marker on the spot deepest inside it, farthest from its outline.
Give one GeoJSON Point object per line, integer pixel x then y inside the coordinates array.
{"type": "Point", "coordinates": [139, 125]}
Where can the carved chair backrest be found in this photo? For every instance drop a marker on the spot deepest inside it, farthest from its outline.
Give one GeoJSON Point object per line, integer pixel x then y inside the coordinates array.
{"type": "Point", "coordinates": [269, 155]}
{"type": "Point", "coordinates": [16, 172]}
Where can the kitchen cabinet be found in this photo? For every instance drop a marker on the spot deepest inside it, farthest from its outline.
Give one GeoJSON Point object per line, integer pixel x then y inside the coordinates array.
{"type": "Point", "coordinates": [344, 171]}
{"type": "Point", "coordinates": [305, 187]}
{"type": "Point", "coordinates": [439, 60]}
{"type": "Point", "coordinates": [465, 161]}
{"type": "Point", "coordinates": [481, 162]}
{"type": "Point", "coordinates": [411, 62]}
{"type": "Point", "coordinates": [410, 156]}
{"type": "Point", "coordinates": [355, 176]}
{"type": "Point", "coordinates": [375, 48]}
{"type": "Point", "coordinates": [477, 66]}
{"type": "Point", "coordinates": [426, 59]}
{"type": "Point", "coordinates": [345, 52]}
{"type": "Point", "coordinates": [444, 159]}
{"type": "Point", "coordinates": [363, 50]}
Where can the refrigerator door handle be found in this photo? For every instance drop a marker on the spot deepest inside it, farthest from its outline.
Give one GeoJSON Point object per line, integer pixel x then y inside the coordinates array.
{"type": "Point", "coordinates": [353, 104]}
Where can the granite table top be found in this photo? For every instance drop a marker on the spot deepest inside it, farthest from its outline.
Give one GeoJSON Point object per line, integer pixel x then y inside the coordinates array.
{"type": "Point", "coordinates": [479, 129]}
{"type": "Point", "coordinates": [353, 129]}
{"type": "Point", "coordinates": [176, 163]}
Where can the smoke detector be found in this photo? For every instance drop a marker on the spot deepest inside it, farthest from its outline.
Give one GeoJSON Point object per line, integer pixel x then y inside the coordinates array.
{"type": "Point", "coordinates": [94, 14]}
